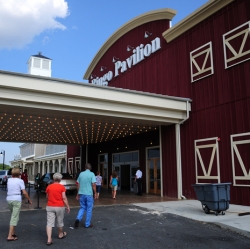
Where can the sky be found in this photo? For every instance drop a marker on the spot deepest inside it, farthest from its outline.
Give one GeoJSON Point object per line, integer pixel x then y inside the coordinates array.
{"type": "Point", "coordinates": [70, 32]}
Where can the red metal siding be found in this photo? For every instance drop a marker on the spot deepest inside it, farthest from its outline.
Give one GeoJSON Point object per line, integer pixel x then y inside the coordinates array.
{"type": "Point", "coordinates": [221, 102]}
{"type": "Point", "coordinates": [135, 77]}
{"type": "Point", "coordinates": [169, 171]}
{"type": "Point", "coordinates": [73, 151]}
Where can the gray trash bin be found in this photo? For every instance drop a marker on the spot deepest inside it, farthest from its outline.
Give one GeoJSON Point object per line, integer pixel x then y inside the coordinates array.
{"type": "Point", "coordinates": [214, 196]}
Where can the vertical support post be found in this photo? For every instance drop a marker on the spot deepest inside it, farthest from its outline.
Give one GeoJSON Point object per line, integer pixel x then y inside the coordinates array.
{"type": "Point", "coordinates": [160, 161]}
{"type": "Point", "coordinates": [178, 160]}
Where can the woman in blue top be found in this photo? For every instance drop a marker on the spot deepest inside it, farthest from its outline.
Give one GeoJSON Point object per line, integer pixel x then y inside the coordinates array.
{"type": "Point", "coordinates": [114, 183]}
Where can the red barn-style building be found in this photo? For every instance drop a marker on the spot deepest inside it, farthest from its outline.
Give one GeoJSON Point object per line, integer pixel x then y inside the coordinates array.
{"type": "Point", "coordinates": [204, 59]}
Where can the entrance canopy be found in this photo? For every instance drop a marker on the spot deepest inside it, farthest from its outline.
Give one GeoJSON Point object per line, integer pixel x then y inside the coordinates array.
{"type": "Point", "coordinates": [38, 109]}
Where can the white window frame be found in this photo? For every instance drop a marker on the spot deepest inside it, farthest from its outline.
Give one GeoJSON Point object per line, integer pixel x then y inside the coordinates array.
{"type": "Point", "coordinates": [202, 69]}
{"type": "Point", "coordinates": [227, 45]}
{"type": "Point", "coordinates": [77, 163]}
{"type": "Point", "coordinates": [70, 165]}
{"type": "Point", "coordinates": [246, 175]}
{"type": "Point", "coordinates": [215, 150]}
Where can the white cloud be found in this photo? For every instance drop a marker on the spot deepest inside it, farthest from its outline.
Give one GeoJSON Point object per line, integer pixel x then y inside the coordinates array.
{"type": "Point", "coordinates": [22, 20]}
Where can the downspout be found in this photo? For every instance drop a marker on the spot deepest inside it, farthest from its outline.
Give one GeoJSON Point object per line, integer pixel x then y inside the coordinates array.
{"type": "Point", "coordinates": [178, 154]}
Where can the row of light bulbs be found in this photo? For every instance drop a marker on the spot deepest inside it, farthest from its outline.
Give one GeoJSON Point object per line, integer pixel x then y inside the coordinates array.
{"type": "Point", "coordinates": [66, 131]}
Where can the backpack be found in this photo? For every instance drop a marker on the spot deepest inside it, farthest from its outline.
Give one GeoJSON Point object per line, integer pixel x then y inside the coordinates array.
{"type": "Point", "coordinates": [114, 182]}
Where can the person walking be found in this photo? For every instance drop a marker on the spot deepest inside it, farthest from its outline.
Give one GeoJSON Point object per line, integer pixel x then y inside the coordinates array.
{"type": "Point", "coordinates": [114, 183]}
{"type": "Point", "coordinates": [138, 179]}
{"type": "Point", "coordinates": [98, 184]}
{"type": "Point", "coordinates": [78, 173]}
{"type": "Point", "coordinates": [56, 195]}
{"type": "Point", "coordinates": [24, 177]}
{"type": "Point", "coordinates": [15, 187]}
{"type": "Point", "coordinates": [86, 188]}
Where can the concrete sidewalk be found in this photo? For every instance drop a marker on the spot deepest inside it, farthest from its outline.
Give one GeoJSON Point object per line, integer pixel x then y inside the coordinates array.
{"type": "Point", "coordinates": [192, 209]}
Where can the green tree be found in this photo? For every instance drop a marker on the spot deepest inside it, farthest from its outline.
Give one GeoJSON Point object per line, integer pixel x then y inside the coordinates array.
{"type": "Point", "coordinates": [6, 166]}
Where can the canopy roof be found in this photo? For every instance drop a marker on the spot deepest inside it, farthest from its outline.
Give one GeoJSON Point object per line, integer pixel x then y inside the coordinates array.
{"type": "Point", "coordinates": [48, 110]}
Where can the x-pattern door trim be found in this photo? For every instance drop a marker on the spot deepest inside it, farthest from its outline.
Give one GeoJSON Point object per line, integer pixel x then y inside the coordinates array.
{"type": "Point", "coordinates": [236, 54]}
{"type": "Point", "coordinates": [77, 163]}
{"type": "Point", "coordinates": [201, 69]}
{"type": "Point", "coordinates": [215, 151]}
{"type": "Point", "coordinates": [70, 165]}
{"type": "Point", "coordinates": [234, 148]}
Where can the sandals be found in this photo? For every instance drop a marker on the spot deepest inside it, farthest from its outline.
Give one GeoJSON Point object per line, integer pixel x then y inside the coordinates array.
{"type": "Point", "coordinates": [12, 239]}
{"type": "Point", "coordinates": [64, 235]}
{"type": "Point", "coordinates": [50, 243]}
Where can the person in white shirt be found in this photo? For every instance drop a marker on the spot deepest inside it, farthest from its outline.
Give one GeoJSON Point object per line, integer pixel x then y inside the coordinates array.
{"type": "Point", "coordinates": [98, 184]}
{"type": "Point", "coordinates": [15, 186]}
{"type": "Point", "coordinates": [138, 179]}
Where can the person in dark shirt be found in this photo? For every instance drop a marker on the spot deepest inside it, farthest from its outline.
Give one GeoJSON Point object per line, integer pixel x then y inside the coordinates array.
{"type": "Point", "coordinates": [24, 177]}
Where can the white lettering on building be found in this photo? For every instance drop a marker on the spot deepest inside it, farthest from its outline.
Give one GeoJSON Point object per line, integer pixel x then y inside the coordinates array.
{"type": "Point", "coordinates": [139, 54]}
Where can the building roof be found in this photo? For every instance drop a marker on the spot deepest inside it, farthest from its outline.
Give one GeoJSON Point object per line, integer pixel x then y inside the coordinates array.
{"type": "Point", "coordinates": [39, 55]}
{"type": "Point", "coordinates": [194, 18]}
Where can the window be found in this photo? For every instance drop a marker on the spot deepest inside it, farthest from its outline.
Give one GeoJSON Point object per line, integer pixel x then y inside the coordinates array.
{"type": "Point", "coordinates": [103, 158]}
{"type": "Point", "coordinates": [36, 62]}
{"type": "Point", "coordinates": [55, 148]}
{"type": "Point", "coordinates": [201, 62]}
{"type": "Point", "coordinates": [207, 164]}
{"type": "Point", "coordinates": [153, 153]}
{"type": "Point", "coordinates": [240, 147]}
{"type": "Point", "coordinates": [126, 157]}
{"type": "Point", "coordinates": [45, 64]}
{"type": "Point", "coordinates": [236, 44]}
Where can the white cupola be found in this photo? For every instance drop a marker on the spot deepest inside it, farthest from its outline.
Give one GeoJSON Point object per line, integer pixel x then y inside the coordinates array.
{"type": "Point", "coordinates": [39, 65]}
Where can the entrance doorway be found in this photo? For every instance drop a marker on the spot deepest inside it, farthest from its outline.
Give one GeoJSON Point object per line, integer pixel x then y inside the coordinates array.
{"type": "Point", "coordinates": [104, 173]}
{"type": "Point", "coordinates": [125, 177]}
{"type": "Point", "coordinates": [154, 171]}
{"type": "Point", "coordinates": [103, 168]}
{"type": "Point", "coordinates": [125, 165]}
{"type": "Point", "coordinates": [154, 179]}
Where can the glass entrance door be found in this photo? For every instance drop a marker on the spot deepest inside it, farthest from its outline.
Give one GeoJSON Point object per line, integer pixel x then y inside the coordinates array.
{"type": "Point", "coordinates": [133, 168]}
{"type": "Point", "coordinates": [104, 173]}
{"type": "Point", "coordinates": [154, 176]}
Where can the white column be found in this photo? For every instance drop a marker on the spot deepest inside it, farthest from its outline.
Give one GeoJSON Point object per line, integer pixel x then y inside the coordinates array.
{"type": "Point", "coordinates": [48, 169]}
{"type": "Point", "coordinates": [39, 167]}
{"type": "Point", "coordinates": [178, 161]}
{"type": "Point", "coordinates": [53, 168]}
{"type": "Point", "coordinates": [43, 168]}
{"type": "Point", "coordinates": [160, 162]}
{"type": "Point", "coordinates": [59, 165]}
{"type": "Point", "coordinates": [23, 166]}
{"type": "Point", "coordinates": [33, 172]}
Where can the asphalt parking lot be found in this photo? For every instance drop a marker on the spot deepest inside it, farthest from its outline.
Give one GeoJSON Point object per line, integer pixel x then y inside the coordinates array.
{"type": "Point", "coordinates": [121, 226]}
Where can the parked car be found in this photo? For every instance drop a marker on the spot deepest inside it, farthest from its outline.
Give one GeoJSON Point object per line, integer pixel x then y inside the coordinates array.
{"type": "Point", "coordinates": [4, 175]}
{"type": "Point", "coordinates": [68, 181]}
